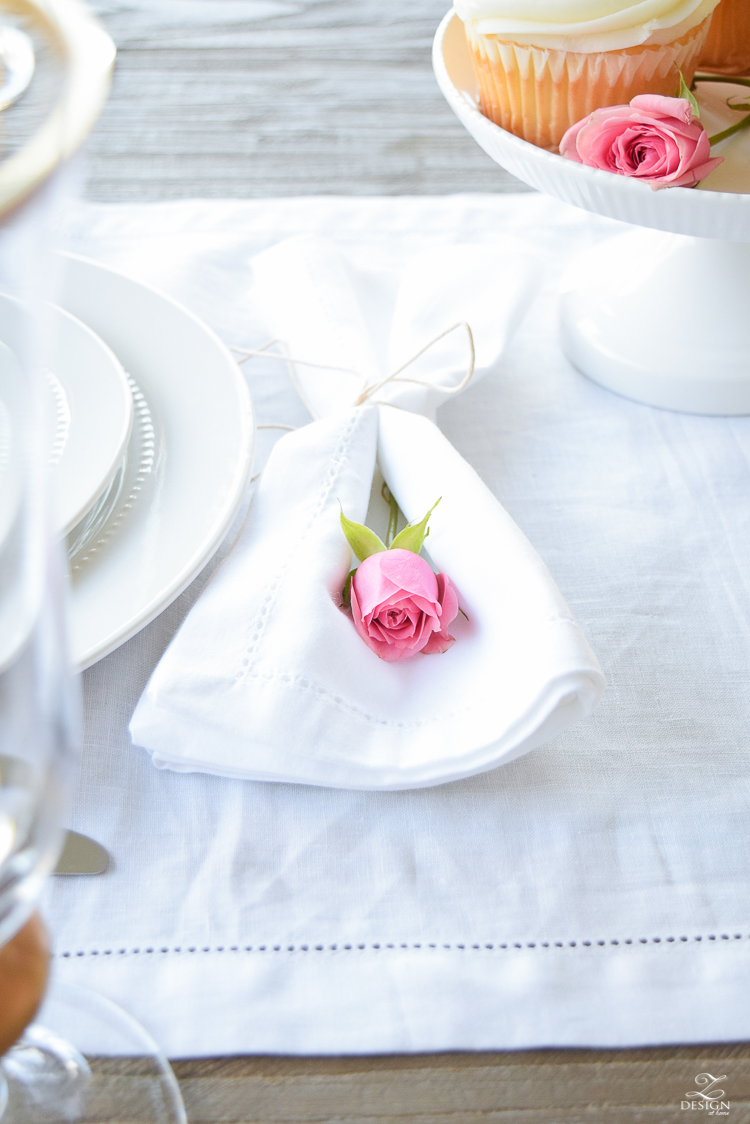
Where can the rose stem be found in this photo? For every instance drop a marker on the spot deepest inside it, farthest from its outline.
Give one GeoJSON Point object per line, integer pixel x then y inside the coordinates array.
{"type": "Point", "coordinates": [390, 499]}
{"type": "Point", "coordinates": [721, 78]}
{"type": "Point", "coordinates": [730, 80]}
{"type": "Point", "coordinates": [736, 128]}
{"type": "Point", "coordinates": [392, 521]}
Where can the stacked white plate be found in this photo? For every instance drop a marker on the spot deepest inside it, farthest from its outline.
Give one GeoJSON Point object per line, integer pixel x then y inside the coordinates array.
{"type": "Point", "coordinates": [152, 447]}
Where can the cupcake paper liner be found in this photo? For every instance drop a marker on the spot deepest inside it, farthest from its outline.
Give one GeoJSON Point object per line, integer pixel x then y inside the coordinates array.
{"type": "Point", "coordinates": [537, 93]}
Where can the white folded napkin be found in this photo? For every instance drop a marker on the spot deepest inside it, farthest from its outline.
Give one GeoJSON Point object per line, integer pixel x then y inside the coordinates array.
{"type": "Point", "coordinates": [358, 328]}
{"type": "Point", "coordinates": [267, 678]}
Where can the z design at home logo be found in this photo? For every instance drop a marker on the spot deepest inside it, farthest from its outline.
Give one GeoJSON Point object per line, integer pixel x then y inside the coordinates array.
{"type": "Point", "coordinates": [707, 1096]}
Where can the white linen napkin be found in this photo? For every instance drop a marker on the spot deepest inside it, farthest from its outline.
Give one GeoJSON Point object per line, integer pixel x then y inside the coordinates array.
{"type": "Point", "coordinates": [267, 679]}
{"type": "Point", "coordinates": [353, 329]}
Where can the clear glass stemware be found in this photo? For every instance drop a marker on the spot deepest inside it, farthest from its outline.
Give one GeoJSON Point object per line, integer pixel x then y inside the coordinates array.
{"type": "Point", "coordinates": [84, 1059]}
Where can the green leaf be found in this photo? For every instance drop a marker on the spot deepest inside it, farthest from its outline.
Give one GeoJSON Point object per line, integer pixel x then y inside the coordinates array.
{"type": "Point", "coordinates": [346, 592]}
{"type": "Point", "coordinates": [686, 93]}
{"type": "Point", "coordinates": [412, 537]}
{"type": "Point", "coordinates": [361, 539]}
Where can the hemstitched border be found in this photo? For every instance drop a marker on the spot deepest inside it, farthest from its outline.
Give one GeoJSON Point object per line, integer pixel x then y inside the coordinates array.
{"type": "Point", "coordinates": [498, 946]}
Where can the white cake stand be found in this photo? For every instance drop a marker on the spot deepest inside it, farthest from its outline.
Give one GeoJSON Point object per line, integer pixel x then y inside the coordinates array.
{"type": "Point", "coordinates": [660, 315]}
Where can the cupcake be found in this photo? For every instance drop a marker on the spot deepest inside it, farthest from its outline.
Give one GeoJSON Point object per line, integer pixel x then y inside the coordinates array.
{"type": "Point", "coordinates": [542, 65]}
{"type": "Point", "coordinates": [727, 49]}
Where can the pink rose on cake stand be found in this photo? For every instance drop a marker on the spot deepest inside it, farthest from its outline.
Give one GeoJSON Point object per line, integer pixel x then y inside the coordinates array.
{"type": "Point", "coordinates": [656, 139]}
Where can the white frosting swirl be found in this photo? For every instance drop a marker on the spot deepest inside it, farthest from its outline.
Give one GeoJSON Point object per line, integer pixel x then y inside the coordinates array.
{"type": "Point", "coordinates": [585, 25]}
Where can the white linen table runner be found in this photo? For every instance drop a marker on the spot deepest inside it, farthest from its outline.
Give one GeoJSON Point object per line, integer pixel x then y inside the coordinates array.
{"type": "Point", "coordinates": [594, 892]}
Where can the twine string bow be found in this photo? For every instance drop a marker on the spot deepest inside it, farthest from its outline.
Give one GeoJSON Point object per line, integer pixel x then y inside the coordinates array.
{"type": "Point", "coordinates": [369, 389]}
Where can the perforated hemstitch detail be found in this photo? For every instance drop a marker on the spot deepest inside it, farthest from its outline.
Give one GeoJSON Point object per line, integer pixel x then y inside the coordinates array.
{"type": "Point", "coordinates": [466, 946]}
{"type": "Point", "coordinates": [304, 683]}
{"type": "Point", "coordinates": [337, 461]}
{"type": "Point", "coordinates": [300, 683]}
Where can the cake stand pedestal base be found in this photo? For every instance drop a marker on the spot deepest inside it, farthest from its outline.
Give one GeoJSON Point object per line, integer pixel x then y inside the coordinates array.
{"type": "Point", "coordinates": [663, 319]}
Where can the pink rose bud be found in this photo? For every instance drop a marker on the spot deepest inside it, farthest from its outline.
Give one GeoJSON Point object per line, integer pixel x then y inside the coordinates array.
{"type": "Point", "coordinates": [656, 139]}
{"type": "Point", "coordinates": [400, 607]}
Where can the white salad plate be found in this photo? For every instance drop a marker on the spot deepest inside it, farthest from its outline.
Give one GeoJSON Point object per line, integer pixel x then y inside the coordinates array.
{"type": "Point", "coordinates": [93, 408]}
{"type": "Point", "coordinates": [173, 498]}
{"type": "Point", "coordinates": [90, 409]}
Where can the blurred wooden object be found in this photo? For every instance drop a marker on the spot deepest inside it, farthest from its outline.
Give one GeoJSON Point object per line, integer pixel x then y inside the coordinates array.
{"type": "Point", "coordinates": [24, 961]}
{"type": "Point", "coordinates": [218, 98]}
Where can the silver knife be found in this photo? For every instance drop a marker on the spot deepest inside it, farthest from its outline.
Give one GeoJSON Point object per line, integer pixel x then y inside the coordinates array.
{"type": "Point", "coordinates": [81, 855]}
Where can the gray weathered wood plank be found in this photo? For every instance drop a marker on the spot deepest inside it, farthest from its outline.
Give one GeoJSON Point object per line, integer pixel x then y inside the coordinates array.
{"type": "Point", "coordinates": [240, 98]}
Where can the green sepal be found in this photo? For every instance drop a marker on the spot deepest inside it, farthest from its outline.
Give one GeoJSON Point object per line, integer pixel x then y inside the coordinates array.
{"type": "Point", "coordinates": [361, 539]}
{"type": "Point", "coordinates": [686, 93]}
{"type": "Point", "coordinates": [346, 592]}
{"type": "Point", "coordinates": [412, 537]}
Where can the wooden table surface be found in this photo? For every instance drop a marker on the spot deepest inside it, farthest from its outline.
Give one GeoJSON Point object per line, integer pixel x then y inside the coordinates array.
{"type": "Point", "coordinates": [219, 98]}
{"type": "Point", "coordinates": [512, 1087]}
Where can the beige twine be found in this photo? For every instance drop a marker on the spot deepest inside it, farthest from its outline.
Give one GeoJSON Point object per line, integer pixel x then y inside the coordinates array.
{"type": "Point", "coordinates": [369, 390]}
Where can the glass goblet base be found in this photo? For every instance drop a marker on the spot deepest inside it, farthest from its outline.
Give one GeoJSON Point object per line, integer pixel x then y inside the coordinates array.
{"type": "Point", "coordinates": [85, 1061]}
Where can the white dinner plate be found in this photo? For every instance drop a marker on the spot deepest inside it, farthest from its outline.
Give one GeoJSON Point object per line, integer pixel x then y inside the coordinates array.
{"type": "Point", "coordinates": [90, 406]}
{"type": "Point", "coordinates": [186, 466]}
